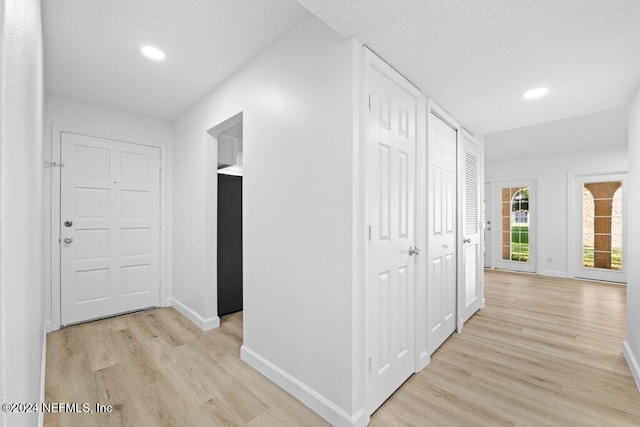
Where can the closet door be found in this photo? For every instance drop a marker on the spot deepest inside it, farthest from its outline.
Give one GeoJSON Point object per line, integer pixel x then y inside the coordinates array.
{"type": "Point", "coordinates": [441, 277]}
{"type": "Point", "coordinates": [471, 295]}
{"type": "Point", "coordinates": [390, 281]}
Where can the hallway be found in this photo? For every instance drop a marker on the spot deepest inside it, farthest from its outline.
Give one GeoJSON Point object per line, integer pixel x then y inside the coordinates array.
{"type": "Point", "coordinates": [544, 351]}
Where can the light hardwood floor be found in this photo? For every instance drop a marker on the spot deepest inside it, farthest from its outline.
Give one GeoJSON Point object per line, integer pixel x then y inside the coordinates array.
{"type": "Point", "coordinates": [543, 352]}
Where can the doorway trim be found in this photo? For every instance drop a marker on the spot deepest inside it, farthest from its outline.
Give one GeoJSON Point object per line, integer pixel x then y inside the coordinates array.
{"type": "Point", "coordinates": [210, 319]}
{"type": "Point", "coordinates": [54, 229]}
{"type": "Point", "coordinates": [487, 219]}
{"type": "Point", "coordinates": [574, 229]}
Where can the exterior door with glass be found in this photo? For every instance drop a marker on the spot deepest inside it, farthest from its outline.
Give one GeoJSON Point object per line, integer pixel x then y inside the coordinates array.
{"type": "Point", "coordinates": [516, 222]}
{"type": "Point", "coordinates": [598, 228]}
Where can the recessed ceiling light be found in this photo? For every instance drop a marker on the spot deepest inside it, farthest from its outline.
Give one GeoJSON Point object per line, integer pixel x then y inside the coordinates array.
{"type": "Point", "coordinates": [153, 53]}
{"type": "Point", "coordinates": [535, 93]}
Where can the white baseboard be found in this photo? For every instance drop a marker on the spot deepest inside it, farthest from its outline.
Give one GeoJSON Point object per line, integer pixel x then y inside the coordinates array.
{"type": "Point", "coordinates": [305, 394]}
{"type": "Point", "coordinates": [199, 321]}
{"type": "Point", "coordinates": [43, 367]}
{"type": "Point", "coordinates": [632, 362]}
{"type": "Point", "coordinates": [554, 273]}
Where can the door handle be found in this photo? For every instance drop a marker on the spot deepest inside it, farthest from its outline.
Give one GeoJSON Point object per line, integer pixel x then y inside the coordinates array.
{"type": "Point", "coordinates": [414, 250]}
{"type": "Point", "coordinates": [466, 240]}
{"type": "Point", "coordinates": [68, 240]}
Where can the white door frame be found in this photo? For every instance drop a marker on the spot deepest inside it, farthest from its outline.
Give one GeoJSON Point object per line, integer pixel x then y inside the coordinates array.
{"type": "Point", "coordinates": [488, 226]}
{"type": "Point", "coordinates": [574, 229]}
{"type": "Point", "coordinates": [534, 237]}
{"type": "Point", "coordinates": [370, 59]}
{"type": "Point", "coordinates": [54, 226]}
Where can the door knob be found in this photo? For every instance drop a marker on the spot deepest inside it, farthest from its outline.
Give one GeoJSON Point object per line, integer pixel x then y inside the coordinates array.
{"type": "Point", "coordinates": [414, 250]}
{"type": "Point", "coordinates": [68, 240]}
{"type": "Point", "coordinates": [466, 240]}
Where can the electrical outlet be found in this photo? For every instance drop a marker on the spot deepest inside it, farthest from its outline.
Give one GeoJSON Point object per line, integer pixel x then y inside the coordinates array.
{"type": "Point", "coordinates": [549, 260]}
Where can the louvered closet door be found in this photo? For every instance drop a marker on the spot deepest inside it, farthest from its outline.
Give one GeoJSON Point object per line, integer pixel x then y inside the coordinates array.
{"type": "Point", "coordinates": [472, 272]}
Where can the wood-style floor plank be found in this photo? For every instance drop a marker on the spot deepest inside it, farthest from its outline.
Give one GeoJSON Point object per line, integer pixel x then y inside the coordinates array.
{"type": "Point", "coordinates": [158, 369]}
{"type": "Point", "coordinates": [544, 351]}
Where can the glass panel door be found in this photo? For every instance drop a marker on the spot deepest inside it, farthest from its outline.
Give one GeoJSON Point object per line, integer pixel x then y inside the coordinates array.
{"type": "Point", "coordinates": [601, 223]}
{"type": "Point", "coordinates": [516, 226]}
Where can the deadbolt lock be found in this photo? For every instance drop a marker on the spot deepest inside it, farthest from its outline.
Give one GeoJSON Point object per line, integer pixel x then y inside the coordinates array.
{"type": "Point", "coordinates": [68, 223]}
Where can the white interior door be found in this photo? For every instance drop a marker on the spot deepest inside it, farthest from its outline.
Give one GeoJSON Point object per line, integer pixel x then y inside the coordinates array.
{"type": "Point", "coordinates": [471, 296]}
{"type": "Point", "coordinates": [441, 283]}
{"type": "Point", "coordinates": [516, 238]}
{"type": "Point", "coordinates": [599, 222]}
{"type": "Point", "coordinates": [110, 227]}
{"type": "Point", "coordinates": [391, 268]}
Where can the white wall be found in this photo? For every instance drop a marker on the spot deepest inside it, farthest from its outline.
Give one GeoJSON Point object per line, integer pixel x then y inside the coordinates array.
{"type": "Point", "coordinates": [592, 132]}
{"type": "Point", "coordinates": [101, 120]}
{"type": "Point", "coordinates": [552, 173]}
{"type": "Point", "coordinates": [632, 343]}
{"type": "Point", "coordinates": [21, 236]}
{"type": "Point", "coordinates": [297, 104]}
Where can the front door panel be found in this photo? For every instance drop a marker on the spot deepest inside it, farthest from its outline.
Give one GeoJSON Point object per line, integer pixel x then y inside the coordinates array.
{"type": "Point", "coordinates": [110, 226]}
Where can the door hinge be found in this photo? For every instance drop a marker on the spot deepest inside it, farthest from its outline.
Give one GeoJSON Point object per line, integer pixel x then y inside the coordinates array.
{"type": "Point", "coordinates": [370, 232]}
{"type": "Point", "coordinates": [369, 102]}
{"type": "Point", "coordinates": [370, 363]}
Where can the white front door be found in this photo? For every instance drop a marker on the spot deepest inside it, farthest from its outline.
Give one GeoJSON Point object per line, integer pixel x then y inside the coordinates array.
{"type": "Point", "coordinates": [471, 297]}
{"type": "Point", "coordinates": [599, 223]}
{"type": "Point", "coordinates": [441, 282]}
{"type": "Point", "coordinates": [110, 227]}
{"type": "Point", "coordinates": [391, 178]}
{"type": "Point", "coordinates": [516, 206]}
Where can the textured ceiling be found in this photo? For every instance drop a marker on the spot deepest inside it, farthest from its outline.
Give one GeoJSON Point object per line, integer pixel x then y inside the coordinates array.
{"type": "Point", "coordinates": [476, 57]}
{"type": "Point", "coordinates": [92, 48]}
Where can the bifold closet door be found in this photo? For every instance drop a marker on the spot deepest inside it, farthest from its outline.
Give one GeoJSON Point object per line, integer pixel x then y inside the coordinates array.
{"type": "Point", "coordinates": [441, 281]}
{"type": "Point", "coordinates": [390, 281]}
{"type": "Point", "coordinates": [471, 280]}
